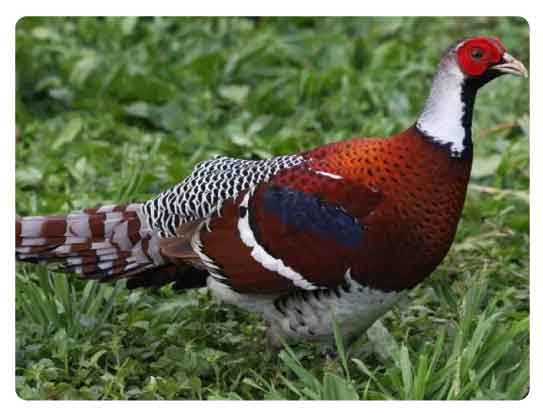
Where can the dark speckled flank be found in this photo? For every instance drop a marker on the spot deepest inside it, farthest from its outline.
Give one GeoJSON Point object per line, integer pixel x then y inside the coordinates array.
{"type": "Point", "coordinates": [410, 230]}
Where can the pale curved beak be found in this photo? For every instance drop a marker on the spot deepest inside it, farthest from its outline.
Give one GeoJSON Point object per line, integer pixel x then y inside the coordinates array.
{"type": "Point", "coordinates": [511, 65]}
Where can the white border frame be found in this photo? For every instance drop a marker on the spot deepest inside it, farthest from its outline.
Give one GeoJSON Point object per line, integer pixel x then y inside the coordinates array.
{"type": "Point", "coordinates": [12, 12]}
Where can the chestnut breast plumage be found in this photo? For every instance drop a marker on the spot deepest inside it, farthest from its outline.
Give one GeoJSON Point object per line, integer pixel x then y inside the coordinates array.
{"type": "Point", "coordinates": [423, 191]}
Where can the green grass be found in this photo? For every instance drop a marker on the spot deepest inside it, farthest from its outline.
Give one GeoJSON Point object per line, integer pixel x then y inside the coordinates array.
{"type": "Point", "coordinates": [118, 109]}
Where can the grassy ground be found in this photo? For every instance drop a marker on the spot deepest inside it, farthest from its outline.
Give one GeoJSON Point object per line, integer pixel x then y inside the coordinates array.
{"type": "Point", "coordinates": [114, 110]}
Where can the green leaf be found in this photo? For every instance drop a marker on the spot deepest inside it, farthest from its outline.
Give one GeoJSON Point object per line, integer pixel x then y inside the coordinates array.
{"type": "Point", "coordinates": [28, 175]}
{"type": "Point", "coordinates": [235, 93]}
{"type": "Point", "coordinates": [486, 166]}
{"type": "Point", "coordinates": [69, 133]}
{"type": "Point", "coordinates": [85, 66]}
{"type": "Point", "coordinates": [139, 110]}
{"type": "Point", "coordinates": [407, 374]}
{"type": "Point", "coordinates": [337, 388]}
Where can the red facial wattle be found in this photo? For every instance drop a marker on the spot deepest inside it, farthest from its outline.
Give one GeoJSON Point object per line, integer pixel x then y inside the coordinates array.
{"type": "Point", "coordinates": [477, 54]}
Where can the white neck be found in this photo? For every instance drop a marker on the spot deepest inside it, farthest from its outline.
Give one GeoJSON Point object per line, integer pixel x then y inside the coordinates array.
{"type": "Point", "coordinates": [441, 118]}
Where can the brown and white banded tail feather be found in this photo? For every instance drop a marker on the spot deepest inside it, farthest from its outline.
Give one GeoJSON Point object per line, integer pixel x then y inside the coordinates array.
{"type": "Point", "coordinates": [103, 243]}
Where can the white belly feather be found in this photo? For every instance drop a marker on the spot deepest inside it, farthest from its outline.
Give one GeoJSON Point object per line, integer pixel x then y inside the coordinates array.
{"type": "Point", "coordinates": [310, 315]}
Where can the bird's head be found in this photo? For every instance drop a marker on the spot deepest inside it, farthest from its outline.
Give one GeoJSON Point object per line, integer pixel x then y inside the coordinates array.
{"type": "Point", "coordinates": [466, 66]}
{"type": "Point", "coordinates": [484, 58]}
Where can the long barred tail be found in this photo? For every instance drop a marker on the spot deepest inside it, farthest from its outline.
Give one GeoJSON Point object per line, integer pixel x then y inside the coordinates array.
{"type": "Point", "coordinates": [103, 243]}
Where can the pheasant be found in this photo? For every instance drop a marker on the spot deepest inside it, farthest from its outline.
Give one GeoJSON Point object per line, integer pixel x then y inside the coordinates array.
{"type": "Point", "coordinates": [332, 235]}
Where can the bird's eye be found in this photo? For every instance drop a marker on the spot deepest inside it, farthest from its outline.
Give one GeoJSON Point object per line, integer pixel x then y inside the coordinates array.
{"type": "Point", "coordinates": [477, 53]}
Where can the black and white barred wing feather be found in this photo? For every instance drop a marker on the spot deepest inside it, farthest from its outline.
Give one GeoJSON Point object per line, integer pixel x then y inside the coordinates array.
{"type": "Point", "coordinates": [207, 188]}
